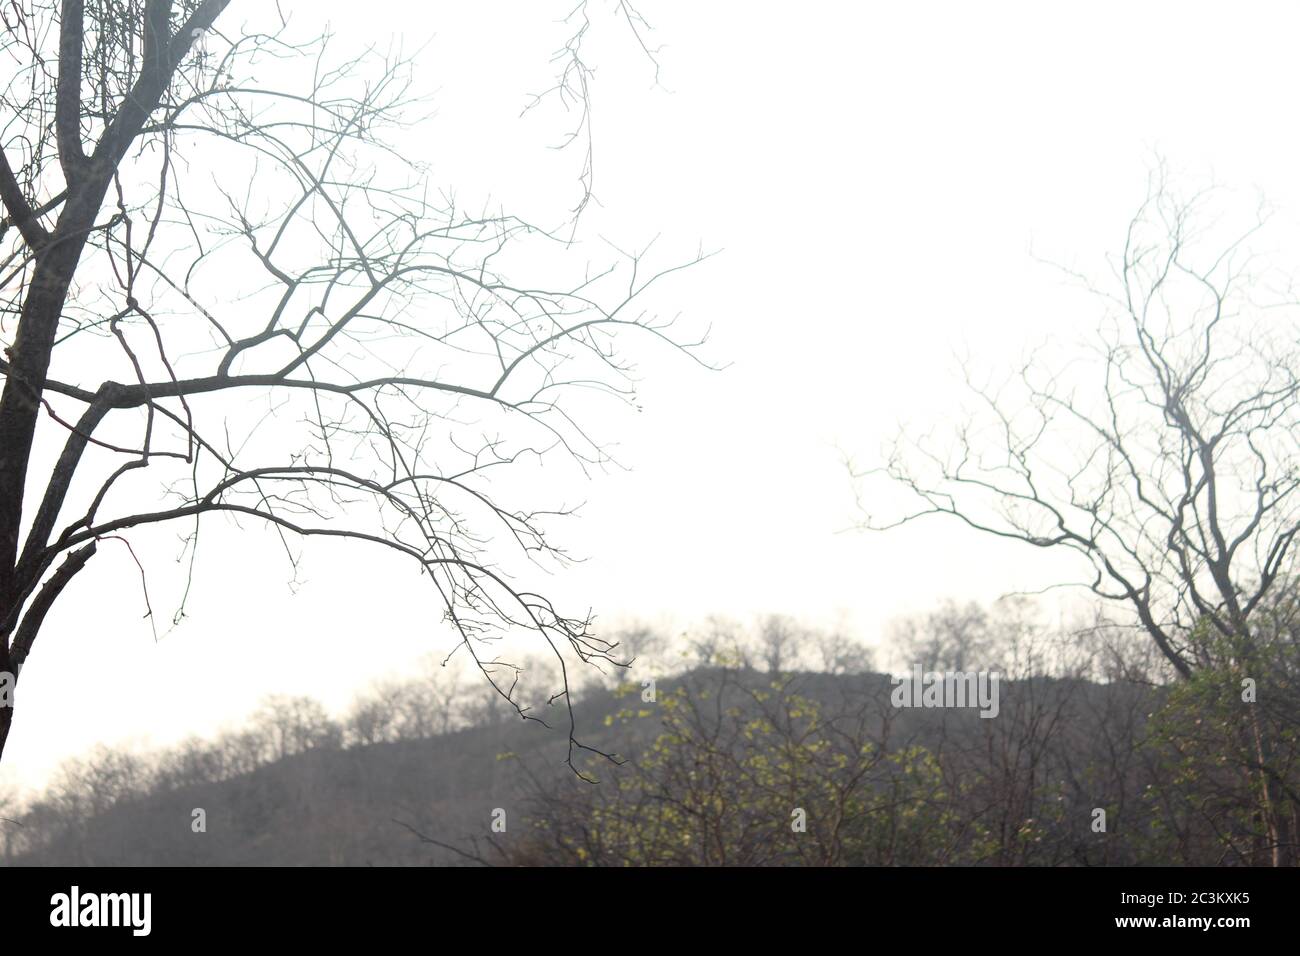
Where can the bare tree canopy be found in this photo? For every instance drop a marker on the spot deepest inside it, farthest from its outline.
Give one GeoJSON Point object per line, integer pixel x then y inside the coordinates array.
{"type": "Point", "coordinates": [1166, 461]}
{"type": "Point", "coordinates": [224, 286]}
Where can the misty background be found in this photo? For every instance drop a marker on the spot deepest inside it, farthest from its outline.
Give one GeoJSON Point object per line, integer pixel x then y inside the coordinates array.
{"type": "Point", "coordinates": [882, 184]}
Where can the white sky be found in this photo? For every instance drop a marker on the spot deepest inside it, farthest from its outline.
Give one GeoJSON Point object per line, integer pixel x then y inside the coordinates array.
{"type": "Point", "coordinates": [876, 176]}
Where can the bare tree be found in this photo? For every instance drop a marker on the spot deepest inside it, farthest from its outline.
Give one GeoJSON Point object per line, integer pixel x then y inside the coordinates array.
{"type": "Point", "coordinates": [780, 639]}
{"type": "Point", "coordinates": [295, 724]}
{"type": "Point", "coordinates": [840, 653]}
{"type": "Point", "coordinates": [950, 638]}
{"type": "Point", "coordinates": [223, 285]}
{"type": "Point", "coordinates": [1169, 465]}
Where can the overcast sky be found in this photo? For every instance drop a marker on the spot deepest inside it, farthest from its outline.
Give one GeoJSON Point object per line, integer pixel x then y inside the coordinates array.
{"type": "Point", "coordinates": [882, 182]}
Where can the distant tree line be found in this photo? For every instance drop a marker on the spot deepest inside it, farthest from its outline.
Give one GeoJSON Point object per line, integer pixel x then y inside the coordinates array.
{"type": "Point", "coordinates": [769, 744]}
{"type": "Point", "coordinates": [441, 699]}
{"type": "Point", "coordinates": [1098, 756]}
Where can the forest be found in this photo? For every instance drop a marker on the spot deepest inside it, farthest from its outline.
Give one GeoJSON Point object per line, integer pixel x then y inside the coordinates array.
{"type": "Point", "coordinates": [489, 346]}
{"type": "Point", "coordinates": [766, 745]}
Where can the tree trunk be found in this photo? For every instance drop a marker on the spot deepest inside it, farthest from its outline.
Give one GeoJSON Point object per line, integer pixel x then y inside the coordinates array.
{"type": "Point", "coordinates": [20, 406]}
{"type": "Point", "coordinates": [1274, 803]}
